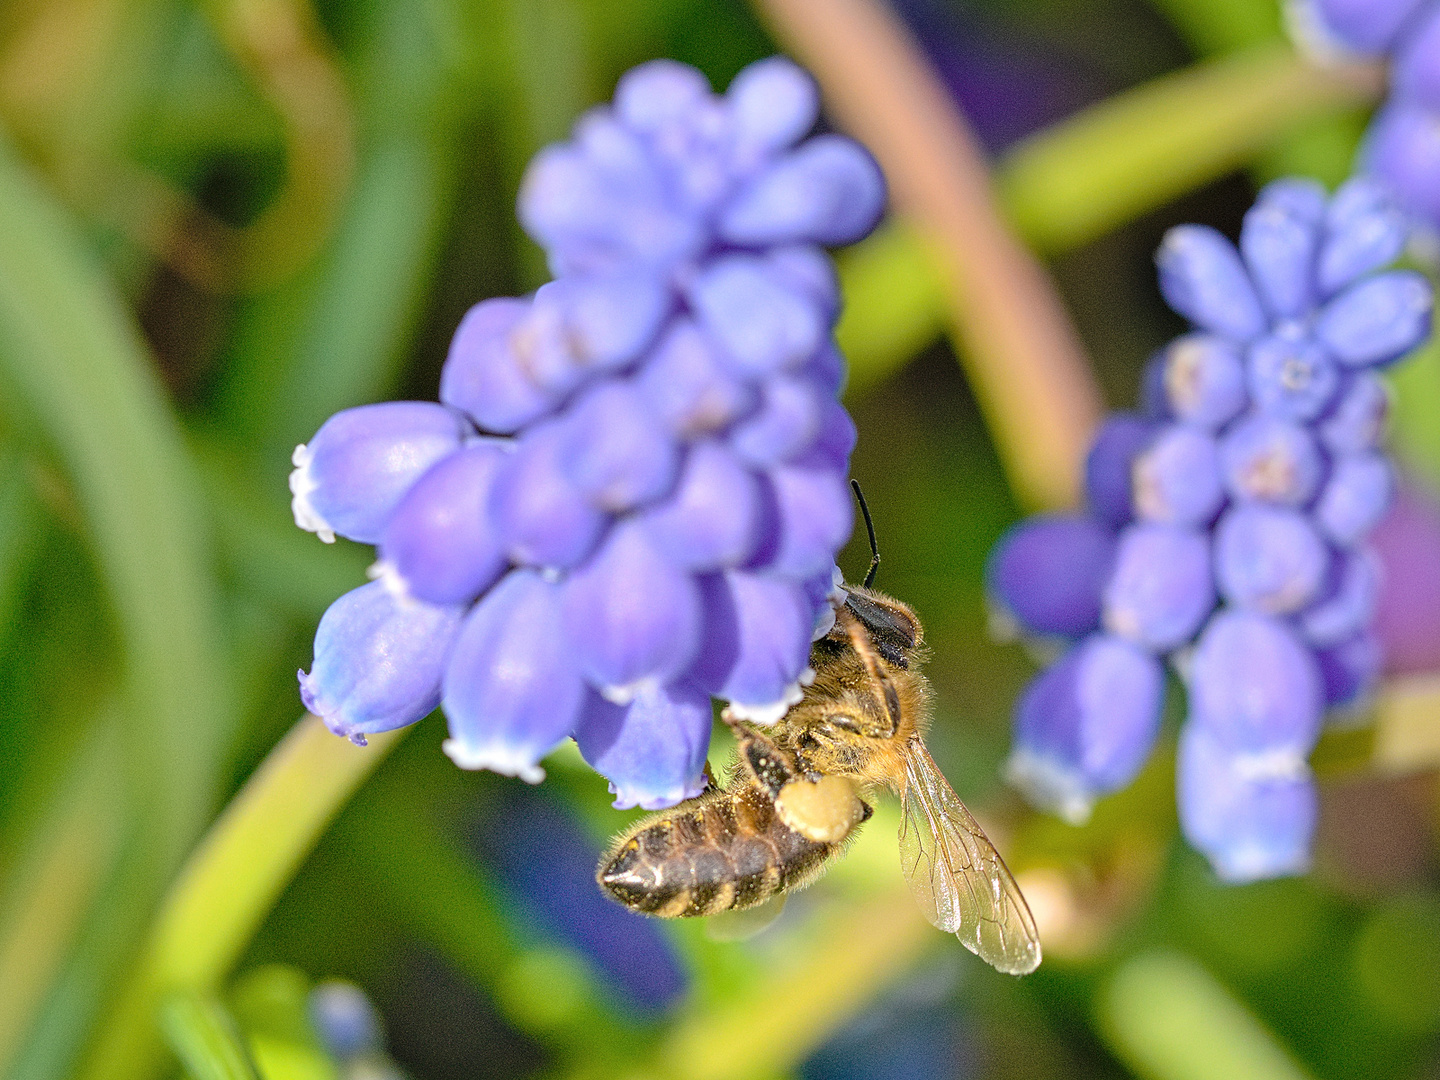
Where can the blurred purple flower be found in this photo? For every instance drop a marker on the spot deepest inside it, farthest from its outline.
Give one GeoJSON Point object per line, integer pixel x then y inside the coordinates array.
{"type": "Point", "coordinates": [1256, 472]}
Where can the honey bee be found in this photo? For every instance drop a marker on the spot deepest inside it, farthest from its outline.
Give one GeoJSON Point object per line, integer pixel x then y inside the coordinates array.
{"type": "Point", "coordinates": [794, 797]}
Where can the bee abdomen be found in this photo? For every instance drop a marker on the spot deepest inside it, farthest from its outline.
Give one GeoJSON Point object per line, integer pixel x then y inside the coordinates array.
{"type": "Point", "coordinates": [729, 850]}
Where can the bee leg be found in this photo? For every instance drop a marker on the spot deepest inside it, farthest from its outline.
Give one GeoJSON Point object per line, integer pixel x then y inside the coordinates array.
{"type": "Point", "coordinates": [768, 765]}
{"type": "Point", "coordinates": [887, 700]}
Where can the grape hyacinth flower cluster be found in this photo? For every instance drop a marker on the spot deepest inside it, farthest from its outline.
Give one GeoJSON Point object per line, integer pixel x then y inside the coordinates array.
{"type": "Point", "coordinates": [1402, 145]}
{"type": "Point", "coordinates": [1225, 528]}
{"type": "Point", "coordinates": [630, 495]}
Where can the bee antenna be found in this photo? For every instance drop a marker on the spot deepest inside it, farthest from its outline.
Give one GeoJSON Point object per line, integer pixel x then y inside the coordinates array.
{"type": "Point", "coordinates": [870, 531]}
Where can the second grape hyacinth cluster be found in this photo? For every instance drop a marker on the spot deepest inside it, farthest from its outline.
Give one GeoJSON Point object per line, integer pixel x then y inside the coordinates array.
{"type": "Point", "coordinates": [631, 493]}
{"type": "Point", "coordinates": [1225, 529]}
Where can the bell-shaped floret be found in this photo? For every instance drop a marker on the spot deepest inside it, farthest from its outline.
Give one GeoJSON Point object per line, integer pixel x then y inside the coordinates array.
{"type": "Point", "coordinates": [712, 520]}
{"type": "Point", "coordinates": [1047, 573]}
{"type": "Point", "coordinates": [812, 518]}
{"type": "Point", "coordinates": [827, 191]}
{"type": "Point", "coordinates": [544, 518]}
{"type": "Point", "coordinates": [653, 749]}
{"type": "Point", "coordinates": [1357, 420]}
{"type": "Point", "coordinates": [350, 477]}
{"type": "Point", "coordinates": [512, 687]}
{"type": "Point", "coordinates": [1415, 73]}
{"type": "Point", "coordinates": [600, 204]}
{"type": "Point", "coordinates": [1355, 497]}
{"type": "Point", "coordinates": [1177, 477]}
{"type": "Point", "coordinates": [761, 324]}
{"type": "Point", "coordinates": [1279, 251]}
{"type": "Point", "coordinates": [1269, 559]}
{"type": "Point", "coordinates": [488, 371]}
{"type": "Point", "coordinates": [378, 662]}
{"type": "Point", "coordinates": [1370, 233]}
{"type": "Point", "coordinates": [1253, 815]}
{"type": "Point", "coordinates": [1300, 197]}
{"type": "Point", "coordinates": [786, 423]}
{"type": "Point", "coordinates": [1402, 148]}
{"type": "Point", "coordinates": [1291, 377]}
{"type": "Point", "coordinates": [616, 450]}
{"type": "Point", "coordinates": [1348, 605]}
{"type": "Point", "coordinates": [774, 103]}
{"type": "Point", "coordinates": [652, 96]}
{"type": "Point", "coordinates": [836, 438]}
{"type": "Point", "coordinates": [1108, 466]}
{"type": "Point", "coordinates": [757, 635]}
{"type": "Point", "coordinates": [1266, 459]}
{"type": "Point", "coordinates": [1161, 588]}
{"type": "Point", "coordinates": [1204, 380]}
{"type": "Point", "coordinates": [1255, 686]}
{"type": "Point", "coordinates": [1085, 726]}
{"type": "Point", "coordinates": [441, 543]}
{"type": "Point", "coordinates": [631, 615]}
{"type": "Point", "coordinates": [688, 386]}
{"type": "Point", "coordinates": [1204, 280]}
{"type": "Point", "coordinates": [1377, 320]}
{"type": "Point", "coordinates": [582, 326]}
{"type": "Point", "coordinates": [807, 269]}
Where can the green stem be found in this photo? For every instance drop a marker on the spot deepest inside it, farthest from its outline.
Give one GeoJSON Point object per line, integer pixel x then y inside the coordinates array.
{"type": "Point", "coordinates": [1168, 1018]}
{"type": "Point", "coordinates": [204, 1037]}
{"type": "Point", "coordinates": [231, 881]}
{"type": "Point", "coordinates": [1131, 153]}
{"type": "Point", "coordinates": [775, 1023]}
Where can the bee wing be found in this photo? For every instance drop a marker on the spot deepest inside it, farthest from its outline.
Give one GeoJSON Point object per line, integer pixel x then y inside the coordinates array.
{"type": "Point", "coordinates": [957, 876]}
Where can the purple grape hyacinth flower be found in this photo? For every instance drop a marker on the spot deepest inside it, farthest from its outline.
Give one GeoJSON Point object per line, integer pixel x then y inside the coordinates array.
{"type": "Point", "coordinates": [632, 493]}
{"type": "Point", "coordinates": [1253, 479]}
{"type": "Point", "coordinates": [1085, 726]}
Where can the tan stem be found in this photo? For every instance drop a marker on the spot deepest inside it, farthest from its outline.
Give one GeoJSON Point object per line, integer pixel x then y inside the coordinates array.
{"type": "Point", "coordinates": [1024, 359]}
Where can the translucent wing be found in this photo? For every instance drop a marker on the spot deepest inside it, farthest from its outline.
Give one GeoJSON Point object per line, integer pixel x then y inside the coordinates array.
{"type": "Point", "coordinates": [745, 923]}
{"type": "Point", "coordinates": [957, 876]}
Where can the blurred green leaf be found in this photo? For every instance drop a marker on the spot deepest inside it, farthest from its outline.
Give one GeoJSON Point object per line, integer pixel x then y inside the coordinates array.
{"type": "Point", "coordinates": [1397, 963]}
{"type": "Point", "coordinates": [1221, 26]}
{"type": "Point", "coordinates": [1137, 150]}
{"type": "Point", "coordinates": [1167, 1018]}
{"type": "Point", "coordinates": [335, 336]}
{"type": "Point", "coordinates": [894, 304]}
{"type": "Point", "coordinates": [204, 1037]}
{"type": "Point", "coordinates": [70, 353]}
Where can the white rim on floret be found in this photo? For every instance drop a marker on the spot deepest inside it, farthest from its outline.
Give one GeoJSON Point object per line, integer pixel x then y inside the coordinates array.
{"type": "Point", "coordinates": [825, 618]}
{"type": "Point", "coordinates": [623, 695]}
{"type": "Point", "coordinates": [670, 797]}
{"type": "Point", "coordinates": [1049, 785]}
{"type": "Point", "coordinates": [302, 484]}
{"type": "Point", "coordinates": [385, 572]}
{"type": "Point", "coordinates": [506, 760]}
{"type": "Point", "coordinates": [1282, 763]}
{"type": "Point", "coordinates": [1256, 862]}
{"type": "Point", "coordinates": [769, 714]}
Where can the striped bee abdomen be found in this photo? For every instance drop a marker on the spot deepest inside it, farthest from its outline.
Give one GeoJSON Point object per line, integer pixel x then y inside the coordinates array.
{"type": "Point", "coordinates": [725, 850]}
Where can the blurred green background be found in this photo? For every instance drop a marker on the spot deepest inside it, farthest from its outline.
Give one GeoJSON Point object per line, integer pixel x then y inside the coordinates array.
{"type": "Point", "coordinates": [222, 221]}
